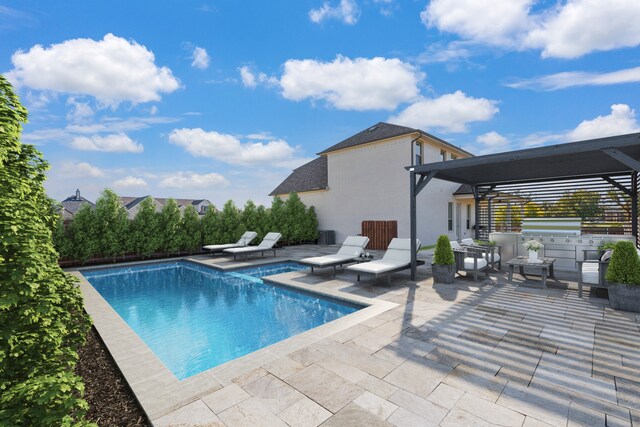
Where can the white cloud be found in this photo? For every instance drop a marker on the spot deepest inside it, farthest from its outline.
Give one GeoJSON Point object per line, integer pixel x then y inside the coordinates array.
{"type": "Point", "coordinates": [80, 111]}
{"type": "Point", "coordinates": [118, 142]}
{"type": "Point", "coordinates": [130, 182]}
{"type": "Point", "coordinates": [578, 78]}
{"type": "Point", "coordinates": [79, 170]}
{"type": "Point", "coordinates": [447, 113]}
{"type": "Point", "coordinates": [251, 80]}
{"type": "Point", "coordinates": [346, 11]}
{"type": "Point", "coordinates": [491, 142]}
{"type": "Point", "coordinates": [567, 29]}
{"type": "Point", "coordinates": [112, 70]}
{"type": "Point", "coordinates": [579, 27]}
{"type": "Point", "coordinates": [622, 120]}
{"type": "Point", "coordinates": [200, 58]}
{"type": "Point", "coordinates": [193, 180]}
{"type": "Point", "coordinates": [493, 22]}
{"type": "Point", "coordinates": [248, 78]}
{"type": "Point", "coordinates": [352, 84]}
{"type": "Point", "coordinates": [229, 149]}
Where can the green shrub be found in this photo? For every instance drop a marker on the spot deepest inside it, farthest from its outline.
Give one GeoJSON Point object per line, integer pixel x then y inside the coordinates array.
{"type": "Point", "coordinates": [42, 321]}
{"type": "Point", "coordinates": [211, 227]}
{"type": "Point", "coordinates": [230, 225]}
{"type": "Point", "coordinates": [624, 266]}
{"type": "Point", "coordinates": [170, 227]}
{"type": "Point", "coordinates": [111, 225]}
{"type": "Point", "coordinates": [145, 232]}
{"type": "Point", "coordinates": [190, 230]}
{"type": "Point", "coordinates": [443, 254]}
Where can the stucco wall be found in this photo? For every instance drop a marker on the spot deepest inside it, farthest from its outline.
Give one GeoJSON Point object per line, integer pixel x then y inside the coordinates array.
{"type": "Point", "coordinates": [370, 183]}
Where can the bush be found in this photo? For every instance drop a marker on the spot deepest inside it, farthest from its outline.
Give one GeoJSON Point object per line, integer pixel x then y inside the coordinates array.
{"type": "Point", "coordinates": [111, 225]}
{"type": "Point", "coordinates": [443, 254]}
{"type": "Point", "coordinates": [42, 321]}
{"type": "Point", "coordinates": [624, 266]}
{"type": "Point", "coordinates": [190, 231]}
{"type": "Point", "coordinates": [145, 233]}
{"type": "Point", "coordinates": [170, 227]}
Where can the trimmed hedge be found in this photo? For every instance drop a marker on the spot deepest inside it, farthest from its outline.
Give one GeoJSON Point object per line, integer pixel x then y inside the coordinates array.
{"type": "Point", "coordinates": [443, 254]}
{"type": "Point", "coordinates": [624, 266]}
{"type": "Point", "coordinates": [106, 232]}
{"type": "Point", "coordinates": [42, 321]}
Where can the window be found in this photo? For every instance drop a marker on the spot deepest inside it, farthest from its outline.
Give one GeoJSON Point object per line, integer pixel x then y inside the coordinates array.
{"type": "Point", "coordinates": [450, 217]}
{"type": "Point", "coordinates": [443, 154]}
{"type": "Point", "coordinates": [418, 153]}
{"type": "Point", "coordinates": [204, 208]}
{"type": "Point", "coordinates": [468, 217]}
{"type": "Point", "coordinates": [453, 157]}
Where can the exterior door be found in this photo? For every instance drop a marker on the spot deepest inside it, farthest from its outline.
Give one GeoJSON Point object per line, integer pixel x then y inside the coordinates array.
{"type": "Point", "coordinates": [458, 221]}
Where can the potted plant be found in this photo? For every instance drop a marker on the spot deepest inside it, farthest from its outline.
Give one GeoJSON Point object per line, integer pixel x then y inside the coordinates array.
{"type": "Point", "coordinates": [533, 246]}
{"type": "Point", "coordinates": [623, 277]}
{"type": "Point", "coordinates": [444, 264]}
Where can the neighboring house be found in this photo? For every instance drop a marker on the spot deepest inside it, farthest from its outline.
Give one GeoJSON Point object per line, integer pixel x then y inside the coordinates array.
{"type": "Point", "coordinates": [132, 204]}
{"type": "Point", "coordinates": [364, 178]}
{"type": "Point", "coordinates": [71, 205]}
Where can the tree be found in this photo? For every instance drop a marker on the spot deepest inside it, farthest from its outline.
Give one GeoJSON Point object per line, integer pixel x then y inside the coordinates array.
{"type": "Point", "coordinates": [230, 230]}
{"type": "Point", "coordinates": [190, 232]}
{"type": "Point", "coordinates": [146, 229]}
{"type": "Point", "coordinates": [310, 225]}
{"type": "Point", "coordinates": [277, 217]}
{"type": "Point", "coordinates": [263, 221]}
{"type": "Point", "coordinates": [42, 321]}
{"type": "Point", "coordinates": [211, 227]}
{"type": "Point", "coordinates": [83, 234]}
{"type": "Point", "coordinates": [580, 203]}
{"type": "Point", "coordinates": [532, 210]}
{"type": "Point", "coordinates": [295, 212]}
{"type": "Point", "coordinates": [111, 223]}
{"type": "Point", "coordinates": [170, 226]}
{"type": "Point", "coordinates": [249, 216]}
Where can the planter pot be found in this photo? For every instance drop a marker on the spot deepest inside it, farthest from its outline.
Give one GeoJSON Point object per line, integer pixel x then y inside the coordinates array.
{"type": "Point", "coordinates": [443, 273]}
{"type": "Point", "coordinates": [624, 297]}
{"type": "Point", "coordinates": [533, 255]}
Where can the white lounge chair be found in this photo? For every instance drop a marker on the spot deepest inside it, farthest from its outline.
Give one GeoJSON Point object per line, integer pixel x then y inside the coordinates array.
{"type": "Point", "coordinates": [267, 244]}
{"type": "Point", "coordinates": [469, 259]}
{"type": "Point", "coordinates": [489, 252]}
{"type": "Point", "coordinates": [396, 258]}
{"type": "Point", "coordinates": [245, 239]}
{"type": "Point", "coordinates": [350, 249]}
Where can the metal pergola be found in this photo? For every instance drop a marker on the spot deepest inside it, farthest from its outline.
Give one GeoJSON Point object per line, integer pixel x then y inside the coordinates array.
{"type": "Point", "coordinates": [606, 158]}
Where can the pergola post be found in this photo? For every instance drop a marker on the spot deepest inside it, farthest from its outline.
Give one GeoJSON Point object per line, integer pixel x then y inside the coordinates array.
{"type": "Point", "coordinates": [474, 189]}
{"type": "Point", "coordinates": [634, 205]}
{"type": "Point", "coordinates": [412, 220]}
{"type": "Point", "coordinates": [489, 213]}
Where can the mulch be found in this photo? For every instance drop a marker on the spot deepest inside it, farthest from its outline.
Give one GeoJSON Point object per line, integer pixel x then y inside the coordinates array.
{"type": "Point", "coordinates": [111, 402]}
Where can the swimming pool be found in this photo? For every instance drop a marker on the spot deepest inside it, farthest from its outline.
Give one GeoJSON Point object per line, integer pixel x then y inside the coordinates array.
{"type": "Point", "coordinates": [195, 318]}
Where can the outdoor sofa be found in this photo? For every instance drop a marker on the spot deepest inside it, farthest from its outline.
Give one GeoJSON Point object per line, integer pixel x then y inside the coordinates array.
{"type": "Point", "coordinates": [396, 258]}
{"type": "Point", "coordinates": [267, 244]}
{"type": "Point", "coordinates": [245, 239]}
{"type": "Point", "coordinates": [350, 250]}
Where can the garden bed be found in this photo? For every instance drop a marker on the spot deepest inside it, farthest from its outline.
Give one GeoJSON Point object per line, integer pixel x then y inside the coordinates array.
{"type": "Point", "coordinates": [111, 402]}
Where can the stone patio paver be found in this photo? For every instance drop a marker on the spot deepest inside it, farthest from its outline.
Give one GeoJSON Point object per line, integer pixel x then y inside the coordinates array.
{"type": "Point", "coordinates": [419, 376]}
{"type": "Point", "coordinates": [403, 418]}
{"type": "Point", "coordinates": [489, 411]}
{"type": "Point", "coordinates": [425, 409]}
{"type": "Point", "coordinates": [273, 393]}
{"type": "Point", "coordinates": [378, 406]}
{"type": "Point", "coordinates": [354, 415]}
{"type": "Point", "coordinates": [377, 386]}
{"type": "Point", "coordinates": [445, 395]}
{"type": "Point", "coordinates": [249, 413]}
{"type": "Point", "coordinates": [192, 415]}
{"type": "Point", "coordinates": [225, 398]}
{"type": "Point", "coordinates": [304, 413]}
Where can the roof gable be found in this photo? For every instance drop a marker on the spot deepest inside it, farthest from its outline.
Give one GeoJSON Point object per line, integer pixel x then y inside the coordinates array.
{"type": "Point", "coordinates": [376, 132]}
{"type": "Point", "coordinates": [308, 177]}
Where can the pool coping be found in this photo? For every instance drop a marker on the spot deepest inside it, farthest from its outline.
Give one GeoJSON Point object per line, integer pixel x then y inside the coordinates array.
{"type": "Point", "coordinates": [157, 389]}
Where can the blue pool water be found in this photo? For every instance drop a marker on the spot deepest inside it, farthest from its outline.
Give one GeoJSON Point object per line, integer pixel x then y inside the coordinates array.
{"type": "Point", "coordinates": [194, 317]}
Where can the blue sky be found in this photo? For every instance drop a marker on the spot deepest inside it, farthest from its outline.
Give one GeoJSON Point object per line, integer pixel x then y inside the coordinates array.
{"type": "Point", "coordinates": [221, 99]}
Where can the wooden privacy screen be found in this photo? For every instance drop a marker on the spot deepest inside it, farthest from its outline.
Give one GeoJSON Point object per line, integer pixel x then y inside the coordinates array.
{"type": "Point", "coordinates": [379, 233]}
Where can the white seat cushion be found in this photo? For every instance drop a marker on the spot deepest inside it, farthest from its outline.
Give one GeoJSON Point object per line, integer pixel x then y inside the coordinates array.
{"type": "Point", "coordinates": [353, 246]}
{"type": "Point", "coordinates": [326, 260]}
{"type": "Point", "coordinates": [376, 267]}
{"type": "Point", "coordinates": [469, 242]}
{"type": "Point", "coordinates": [590, 273]}
{"type": "Point", "coordinates": [496, 257]}
{"type": "Point", "coordinates": [468, 263]}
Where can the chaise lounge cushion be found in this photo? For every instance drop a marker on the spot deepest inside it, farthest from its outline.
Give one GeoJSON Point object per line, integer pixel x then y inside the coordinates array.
{"type": "Point", "coordinates": [350, 249]}
{"type": "Point", "coordinates": [267, 243]}
{"type": "Point", "coordinates": [397, 256]}
{"type": "Point", "coordinates": [244, 240]}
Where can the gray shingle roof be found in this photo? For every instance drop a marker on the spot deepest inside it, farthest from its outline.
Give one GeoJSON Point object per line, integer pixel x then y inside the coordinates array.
{"type": "Point", "coordinates": [374, 133]}
{"type": "Point", "coordinates": [73, 203]}
{"type": "Point", "coordinates": [308, 177]}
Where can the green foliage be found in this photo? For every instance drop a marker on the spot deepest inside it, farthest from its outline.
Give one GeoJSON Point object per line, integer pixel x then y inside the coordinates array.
{"type": "Point", "coordinates": [508, 216]}
{"type": "Point", "coordinates": [310, 225]}
{"type": "Point", "coordinates": [295, 212]}
{"type": "Point", "coordinates": [42, 321]}
{"type": "Point", "coordinates": [249, 216]}
{"type": "Point", "coordinates": [190, 230]}
{"type": "Point", "coordinates": [624, 266]}
{"type": "Point", "coordinates": [443, 254]}
{"type": "Point", "coordinates": [170, 227]}
{"type": "Point", "coordinates": [263, 221]}
{"type": "Point", "coordinates": [211, 230]}
{"type": "Point", "coordinates": [277, 217]}
{"type": "Point", "coordinates": [111, 225]}
{"type": "Point", "coordinates": [83, 234]}
{"type": "Point", "coordinates": [533, 210]}
{"type": "Point", "coordinates": [145, 229]}
{"type": "Point", "coordinates": [230, 230]}
{"type": "Point", "coordinates": [581, 203]}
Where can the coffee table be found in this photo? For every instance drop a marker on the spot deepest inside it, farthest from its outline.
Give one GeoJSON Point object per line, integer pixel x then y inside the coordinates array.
{"type": "Point", "coordinates": [545, 267]}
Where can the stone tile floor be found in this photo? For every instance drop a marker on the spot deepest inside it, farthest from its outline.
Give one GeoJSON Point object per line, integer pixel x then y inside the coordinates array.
{"type": "Point", "coordinates": [472, 354]}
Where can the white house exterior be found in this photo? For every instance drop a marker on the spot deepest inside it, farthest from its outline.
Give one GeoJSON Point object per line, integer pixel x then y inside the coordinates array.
{"type": "Point", "coordinates": [132, 204]}
{"type": "Point", "coordinates": [364, 178]}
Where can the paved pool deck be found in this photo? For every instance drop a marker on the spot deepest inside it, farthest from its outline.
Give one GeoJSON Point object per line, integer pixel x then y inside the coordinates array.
{"type": "Point", "coordinates": [420, 354]}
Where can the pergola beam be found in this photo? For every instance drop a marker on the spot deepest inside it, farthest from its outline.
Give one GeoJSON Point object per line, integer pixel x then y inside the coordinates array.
{"type": "Point", "coordinates": [623, 158]}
